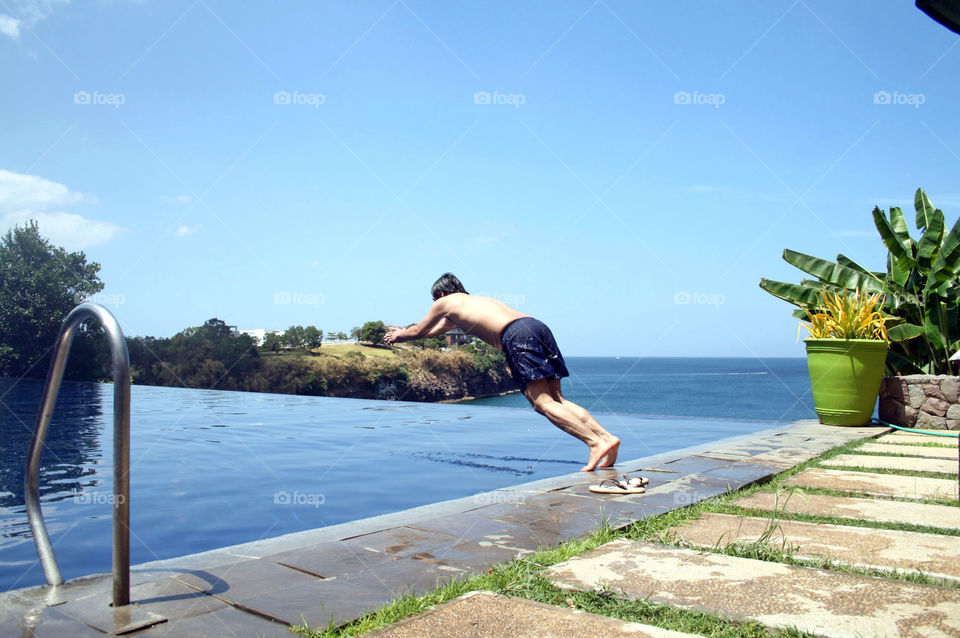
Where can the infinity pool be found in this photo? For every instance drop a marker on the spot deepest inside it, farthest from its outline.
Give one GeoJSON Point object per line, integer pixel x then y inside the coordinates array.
{"type": "Point", "coordinates": [212, 468]}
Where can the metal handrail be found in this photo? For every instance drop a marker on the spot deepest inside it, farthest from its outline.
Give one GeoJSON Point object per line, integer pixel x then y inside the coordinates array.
{"type": "Point", "coordinates": [120, 360]}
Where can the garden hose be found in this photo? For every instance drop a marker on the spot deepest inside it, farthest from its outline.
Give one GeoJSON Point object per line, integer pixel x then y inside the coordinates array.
{"type": "Point", "coordinates": [891, 425]}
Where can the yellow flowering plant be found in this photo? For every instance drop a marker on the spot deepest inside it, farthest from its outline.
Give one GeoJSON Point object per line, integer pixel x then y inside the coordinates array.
{"type": "Point", "coordinates": [850, 315]}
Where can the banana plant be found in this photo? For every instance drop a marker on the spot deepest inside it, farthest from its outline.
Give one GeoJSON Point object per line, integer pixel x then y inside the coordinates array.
{"type": "Point", "coordinates": [921, 287]}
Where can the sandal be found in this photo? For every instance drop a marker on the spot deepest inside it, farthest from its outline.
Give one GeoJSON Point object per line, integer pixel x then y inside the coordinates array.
{"type": "Point", "coordinates": [635, 481]}
{"type": "Point", "coordinates": [613, 486]}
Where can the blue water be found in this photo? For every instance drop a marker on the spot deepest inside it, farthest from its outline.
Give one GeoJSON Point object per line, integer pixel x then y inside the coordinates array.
{"type": "Point", "coordinates": [767, 389]}
{"type": "Point", "coordinates": [212, 468]}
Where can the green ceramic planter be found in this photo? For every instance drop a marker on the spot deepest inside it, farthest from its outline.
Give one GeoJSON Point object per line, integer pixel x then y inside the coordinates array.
{"type": "Point", "coordinates": [845, 375]}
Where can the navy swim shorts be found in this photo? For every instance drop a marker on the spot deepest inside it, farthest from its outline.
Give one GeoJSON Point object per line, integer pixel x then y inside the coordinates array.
{"type": "Point", "coordinates": [532, 352]}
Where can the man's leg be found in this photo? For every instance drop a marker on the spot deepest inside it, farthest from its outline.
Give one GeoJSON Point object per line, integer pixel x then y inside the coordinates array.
{"type": "Point", "coordinates": [546, 398]}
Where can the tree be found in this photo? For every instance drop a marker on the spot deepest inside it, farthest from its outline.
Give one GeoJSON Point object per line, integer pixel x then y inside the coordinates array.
{"type": "Point", "coordinates": [373, 332]}
{"type": "Point", "coordinates": [341, 336]}
{"type": "Point", "coordinates": [294, 336]}
{"type": "Point", "coordinates": [331, 336]}
{"type": "Point", "coordinates": [312, 337]}
{"type": "Point", "coordinates": [39, 284]}
{"type": "Point", "coordinates": [272, 342]}
{"type": "Point", "coordinates": [355, 333]}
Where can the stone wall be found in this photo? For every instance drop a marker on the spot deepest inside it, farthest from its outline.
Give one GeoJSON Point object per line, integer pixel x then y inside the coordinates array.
{"type": "Point", "coordinates": [922, 401]}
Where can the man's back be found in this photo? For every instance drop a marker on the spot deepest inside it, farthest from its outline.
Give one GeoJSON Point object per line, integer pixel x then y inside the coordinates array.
{"type": "Point", "coordinates": [481, 317]}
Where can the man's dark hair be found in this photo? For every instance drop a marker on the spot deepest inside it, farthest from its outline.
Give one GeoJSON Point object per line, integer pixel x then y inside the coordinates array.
{"type": "Point", "coordinates": [447, 284]}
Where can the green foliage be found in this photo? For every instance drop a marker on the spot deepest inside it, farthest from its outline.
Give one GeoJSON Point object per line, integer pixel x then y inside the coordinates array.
{"type": "Point", "coordinates": [485, 356]}
{"type": "Point", "coordinates": [272, 343]}
{"type": "Point", "coordinates": [438, 342]}
{"type": "Point", "coordinates": [372, 332]}
{"type": "Point", "coordinates": [921, 287]}
{"type": "Point", "coordinates": [295, 337]}
{"type": "Point", "coordinates": [312, 337]}
{"type": "Point", "coordinates": [39, 284]}
{"type": "Point", "coordinates": [847, 315]}
{"type": "Point", "coordinates": [207, 356]}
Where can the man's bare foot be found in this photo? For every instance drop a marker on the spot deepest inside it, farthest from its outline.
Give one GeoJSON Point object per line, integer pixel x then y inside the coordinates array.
{"type": "Point", "coordinates": [610, 459]}
{"type": "Point", "coordinates": [602, 450]}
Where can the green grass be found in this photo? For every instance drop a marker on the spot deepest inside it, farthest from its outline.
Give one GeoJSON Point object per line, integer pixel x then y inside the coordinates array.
{"type": "Point", "coordinates": [523, 576]}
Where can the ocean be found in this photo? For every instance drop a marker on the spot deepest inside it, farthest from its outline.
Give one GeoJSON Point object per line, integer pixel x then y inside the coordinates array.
{"type": "Point", "coordinates": [774, 389]}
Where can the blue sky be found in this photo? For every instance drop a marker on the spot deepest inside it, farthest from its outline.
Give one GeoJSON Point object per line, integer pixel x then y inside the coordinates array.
{"type": "Point", "coordinates": [596, 164]}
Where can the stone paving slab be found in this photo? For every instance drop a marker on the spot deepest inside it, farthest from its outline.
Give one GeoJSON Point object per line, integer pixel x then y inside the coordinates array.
{"type": "Point", "coordinates": [483, 614]}
{"type": "Point", "coordinates": [881, 511]}
{"type": "Point", "coordinates": [934, 555]}
{"type": "Point", "coordinates": [223, 623]}
{"type": "Point", "coordinates": [940, 466]}
{"type": "Point", "coordinates": [913, 487]}
{"type": "Point", "coordinates": [912, 438]}
{"type": "Point", "coordinates": [826, 603]}
{"type": "Point", "coordinates": [911, 450]}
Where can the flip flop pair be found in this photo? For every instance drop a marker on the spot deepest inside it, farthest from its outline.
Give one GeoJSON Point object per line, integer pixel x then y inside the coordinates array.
{"type": "Point", "coordinates": [630, 485]}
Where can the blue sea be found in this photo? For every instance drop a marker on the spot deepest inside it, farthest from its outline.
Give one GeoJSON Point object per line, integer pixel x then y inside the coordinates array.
{"type": "Point", "coordinates": [764, 389]}
{"type": "Point", "coordinates": [211, 468]}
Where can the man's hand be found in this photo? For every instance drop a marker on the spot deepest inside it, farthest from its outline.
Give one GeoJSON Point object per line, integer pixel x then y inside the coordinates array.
{"type": "Point", "coordinates": [392, 335]}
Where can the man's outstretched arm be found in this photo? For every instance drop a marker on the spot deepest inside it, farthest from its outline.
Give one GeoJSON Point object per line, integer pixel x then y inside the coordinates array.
{"type": "Point", "coordinates": [433, 324]}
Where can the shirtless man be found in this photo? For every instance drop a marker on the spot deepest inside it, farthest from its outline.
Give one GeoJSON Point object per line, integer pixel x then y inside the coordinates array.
{"type": "Point", "coordinates": [532, 354]}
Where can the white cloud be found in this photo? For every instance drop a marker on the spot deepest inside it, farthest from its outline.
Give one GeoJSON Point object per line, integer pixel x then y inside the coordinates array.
{"type": "Point", "coordinates": [31, 12]}
{"type": "Point", "coordinates": [18, 190]}
{"type": "Point", "coordinates": [24, 197]}
{"type": "Point", "coordinates": [71, 231]}
{"type": "Point", "coordinates": [183, 231]}
{"type": "Point", "coordinates": [9, 26]}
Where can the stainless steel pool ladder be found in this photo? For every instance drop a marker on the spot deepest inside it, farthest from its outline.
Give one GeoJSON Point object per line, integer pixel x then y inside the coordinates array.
{"type": "Point", "coordinates": [120, 360]}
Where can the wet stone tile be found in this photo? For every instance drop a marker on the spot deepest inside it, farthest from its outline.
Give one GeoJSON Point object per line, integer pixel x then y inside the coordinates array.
{"type": "Point", "coordinates": [230, 582]}
{"type": "Point", "coordinates": [328, 560]}
{"type": "Point", "coordinates": [97, 612]}
{"type": "Point", "coordinates": [741, 474]}
{"type": "Point", "coordinates": [693, 465]}
{"type": "Point", "coordinates": [173, 600]}
{"type": "Point", "coordinates": [53, 624]}
{"type": "Point", "coordinates": [399, 541]}
{"type": "Point", "coordinates": [318, 603]}
{"type": "Point", "coordinates": [228, 622]}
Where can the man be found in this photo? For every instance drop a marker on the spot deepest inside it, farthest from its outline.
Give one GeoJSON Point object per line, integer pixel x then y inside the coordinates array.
{"type": "Point", "coordinates": [532, 354]}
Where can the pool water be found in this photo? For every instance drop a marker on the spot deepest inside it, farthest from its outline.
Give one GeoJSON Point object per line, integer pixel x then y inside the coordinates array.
{"type": "Point", "coordinates": [212, 468]}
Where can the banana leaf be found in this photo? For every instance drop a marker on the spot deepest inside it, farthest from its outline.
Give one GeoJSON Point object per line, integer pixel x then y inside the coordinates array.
{"type": "Point", "coordinates": [895, 236]}
{"type": "Point", "coordinates": [843, 260]}
{"type": "Point", "coordinates": [904, 331]}
{"type": "Point", "coordinates": [798, 295]}
{"type": "Point", "coordinates": [947, 263]}
{"type": "Point", "coordinates": [929, 245]}
{"type": "Point", "coordinates": [924, 209]}
{"type": "Point", "coordinates": [833, 273]}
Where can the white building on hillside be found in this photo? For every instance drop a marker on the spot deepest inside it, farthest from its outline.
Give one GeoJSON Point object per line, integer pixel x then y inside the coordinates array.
{"type": "Point", "coordinates": [259, 334]}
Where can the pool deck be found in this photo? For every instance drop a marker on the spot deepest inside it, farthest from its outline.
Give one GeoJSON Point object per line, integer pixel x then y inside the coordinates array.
{"type": "Point", "coordinates": [336, 574]}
